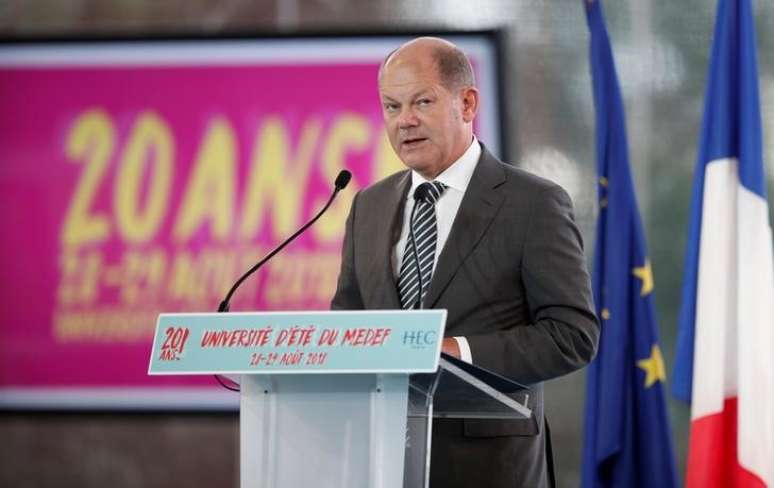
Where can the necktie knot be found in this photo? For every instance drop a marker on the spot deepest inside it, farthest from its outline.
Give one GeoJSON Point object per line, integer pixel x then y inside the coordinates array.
{"type": "Point", "coordinates": [429, 192]}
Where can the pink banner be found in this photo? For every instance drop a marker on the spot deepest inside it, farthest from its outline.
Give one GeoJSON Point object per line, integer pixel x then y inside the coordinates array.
{"type": "Point", "coordinates": [128, 190]}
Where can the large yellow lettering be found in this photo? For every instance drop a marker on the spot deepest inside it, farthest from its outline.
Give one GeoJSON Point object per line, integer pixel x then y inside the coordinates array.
{"type": "Point", "coordinates": [210, 192]}
{"type": "Point", "coordinates": [278, 180]}
{"type": "Point", "coordinates": [348, 133]}
{"type": "Point", "coordinates": [91, 140]}
{"type": "Point", "coordinates": [150, 134]}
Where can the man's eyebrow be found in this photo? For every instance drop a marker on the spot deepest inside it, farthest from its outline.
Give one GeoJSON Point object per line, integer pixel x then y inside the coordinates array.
{"type": "Point", "coordinates": [421, 93]}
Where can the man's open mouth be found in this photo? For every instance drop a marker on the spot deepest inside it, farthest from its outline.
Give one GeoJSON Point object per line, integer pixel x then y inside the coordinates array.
{"type": "Point", "coordinates": [414, 141]}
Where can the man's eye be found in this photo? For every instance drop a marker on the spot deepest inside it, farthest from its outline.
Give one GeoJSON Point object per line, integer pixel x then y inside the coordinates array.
{"type": "Point", "coordinates": [422, 102]}
{"type": "Point", "coordinates": [390, 107]}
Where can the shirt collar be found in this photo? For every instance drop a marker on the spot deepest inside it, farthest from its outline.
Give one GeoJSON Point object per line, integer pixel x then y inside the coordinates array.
{"type": "Point", "coordinates": [456, 176]}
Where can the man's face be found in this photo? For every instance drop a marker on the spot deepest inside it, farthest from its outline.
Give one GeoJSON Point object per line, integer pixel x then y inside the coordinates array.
{"type": "Point", "coordinates": [428, 126]}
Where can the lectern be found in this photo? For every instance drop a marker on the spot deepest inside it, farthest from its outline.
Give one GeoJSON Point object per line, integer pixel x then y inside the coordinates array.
{"type": "Point", "coordinates": [335, 399]}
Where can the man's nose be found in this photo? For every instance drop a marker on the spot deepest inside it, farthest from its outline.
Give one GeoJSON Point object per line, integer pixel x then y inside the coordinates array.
{"type": "Point", "coordinates": [407, 118]}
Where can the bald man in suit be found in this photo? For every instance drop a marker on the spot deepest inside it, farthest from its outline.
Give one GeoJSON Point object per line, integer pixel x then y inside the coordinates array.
{"type": "Point", "coordinates": [504, 258]}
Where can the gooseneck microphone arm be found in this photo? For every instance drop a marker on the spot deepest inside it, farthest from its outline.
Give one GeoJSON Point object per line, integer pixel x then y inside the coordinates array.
{"type": "Point", "coordinates": [341, 182]}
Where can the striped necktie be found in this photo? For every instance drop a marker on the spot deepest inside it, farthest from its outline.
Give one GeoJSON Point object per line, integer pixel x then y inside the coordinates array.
{"type": "Point", "coordinates": [416, 270]}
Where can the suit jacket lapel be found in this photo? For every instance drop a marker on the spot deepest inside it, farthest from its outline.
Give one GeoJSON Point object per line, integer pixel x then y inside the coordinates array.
{"type": "Point", "coordinates": [478, 208]}
{"type": "Point", "coordinates": [388, 237]}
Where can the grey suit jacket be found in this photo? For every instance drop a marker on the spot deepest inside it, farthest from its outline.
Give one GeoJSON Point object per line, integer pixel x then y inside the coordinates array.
{"type": "Point", "coordinates": [513, 278]}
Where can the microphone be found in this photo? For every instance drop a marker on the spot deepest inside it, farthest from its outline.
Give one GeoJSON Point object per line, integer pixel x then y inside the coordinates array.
{"type": "Point", "coordinates": [341, 182]}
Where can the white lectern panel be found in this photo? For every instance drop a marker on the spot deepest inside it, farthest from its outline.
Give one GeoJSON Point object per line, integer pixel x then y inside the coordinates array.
{"type": "Point", "coordinates": [326, 431]}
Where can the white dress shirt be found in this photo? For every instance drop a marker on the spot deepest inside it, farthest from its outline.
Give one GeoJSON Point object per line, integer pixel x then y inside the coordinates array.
{"type": "Point", "coordinates": [456, 177]}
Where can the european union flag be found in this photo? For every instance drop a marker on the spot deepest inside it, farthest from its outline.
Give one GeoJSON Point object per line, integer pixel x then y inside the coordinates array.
{"type": "Point", "coordinates": [627, 437]}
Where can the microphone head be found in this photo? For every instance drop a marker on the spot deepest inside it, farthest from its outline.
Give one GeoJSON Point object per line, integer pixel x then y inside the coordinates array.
{"type": "Point", "coordinates": [342, 180]}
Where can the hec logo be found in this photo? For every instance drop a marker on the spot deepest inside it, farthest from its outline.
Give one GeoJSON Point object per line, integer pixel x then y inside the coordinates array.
{"type": "Point", "coordinates": [174, 344]}
{"type": "Point", "coordinates": [420, 338]}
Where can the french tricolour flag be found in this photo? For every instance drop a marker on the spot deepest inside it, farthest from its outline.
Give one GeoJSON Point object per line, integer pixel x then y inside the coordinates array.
{"type": "Point", "coordinates": [725, 356]}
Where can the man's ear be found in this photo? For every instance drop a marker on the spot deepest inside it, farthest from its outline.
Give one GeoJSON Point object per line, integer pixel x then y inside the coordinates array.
{"type": "Point", "coordinates": [469, 103]}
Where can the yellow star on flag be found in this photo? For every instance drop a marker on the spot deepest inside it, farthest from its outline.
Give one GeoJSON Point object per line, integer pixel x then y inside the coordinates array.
{"type": "Point", "coordinates": [645, 273]}
{"type": "Point", "coordinates": [653, 367]}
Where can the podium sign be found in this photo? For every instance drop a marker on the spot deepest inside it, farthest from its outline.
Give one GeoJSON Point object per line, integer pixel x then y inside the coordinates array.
{"type": "Point", "coordinates": [298, 342]}
{"type": "Point", "coordinates": [303, 423]}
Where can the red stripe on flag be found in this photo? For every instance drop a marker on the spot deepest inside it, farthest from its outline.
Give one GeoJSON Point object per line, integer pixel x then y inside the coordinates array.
{"type": "Point", "coordinates": [712, 456]}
